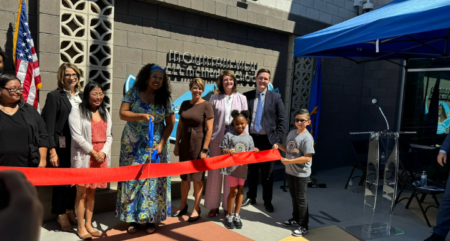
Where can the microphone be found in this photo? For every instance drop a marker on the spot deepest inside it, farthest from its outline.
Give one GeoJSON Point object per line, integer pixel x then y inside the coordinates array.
{"type": "Point", "coordinates": [375, 102]}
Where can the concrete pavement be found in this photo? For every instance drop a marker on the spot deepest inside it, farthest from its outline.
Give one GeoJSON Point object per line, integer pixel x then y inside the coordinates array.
{"type": "Point", "coordinates": [328, 206]}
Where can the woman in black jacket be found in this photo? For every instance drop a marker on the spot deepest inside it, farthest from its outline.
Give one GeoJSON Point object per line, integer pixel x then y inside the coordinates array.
{"type": "Point", "coordinates": [23, 138]}
{"type": "Point", "coordinates": [56, 113]}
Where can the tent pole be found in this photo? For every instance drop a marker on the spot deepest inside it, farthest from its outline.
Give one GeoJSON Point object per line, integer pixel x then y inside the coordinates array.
{"type": "Point", "coordinates": [446, 41]}
{"type": "Point", "coordinates": [401, 97]}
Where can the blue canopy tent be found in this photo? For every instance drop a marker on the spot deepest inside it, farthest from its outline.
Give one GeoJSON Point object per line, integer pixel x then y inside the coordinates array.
{"type": "Point", "coordinates": [402, 29]}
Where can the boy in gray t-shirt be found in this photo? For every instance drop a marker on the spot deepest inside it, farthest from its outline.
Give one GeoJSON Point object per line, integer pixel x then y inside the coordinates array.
{"type": "Point", "coordinates": [297, 145]}
{"type": "Point", "coordinates": [299, 149]}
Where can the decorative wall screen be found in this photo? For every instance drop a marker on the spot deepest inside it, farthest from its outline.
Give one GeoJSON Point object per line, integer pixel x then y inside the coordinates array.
{"type": "Point", "coordinates": [86, 39]}
{"type": "Point", "coordinates": [302, 78]}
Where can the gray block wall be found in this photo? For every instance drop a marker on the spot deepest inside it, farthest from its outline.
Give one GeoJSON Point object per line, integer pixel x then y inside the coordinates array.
{"type": "Point", "coordinates": [49, 32]}
{"type": "Point", "coordinates": [144, 33]}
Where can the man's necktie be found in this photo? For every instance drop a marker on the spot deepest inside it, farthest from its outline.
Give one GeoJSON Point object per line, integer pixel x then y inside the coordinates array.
{"type": "Point", "coordinates": [258, 115]}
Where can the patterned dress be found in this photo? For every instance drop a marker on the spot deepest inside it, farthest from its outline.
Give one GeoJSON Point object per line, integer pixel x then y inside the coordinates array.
{"type": "Point", "coordinates": [146, 200]}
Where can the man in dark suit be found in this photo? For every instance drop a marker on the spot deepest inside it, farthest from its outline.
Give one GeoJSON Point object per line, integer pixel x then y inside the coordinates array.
{"type": "Point", "coordinates": [267, 125]}
{"type": "Point", "coordinates": [442, 227]}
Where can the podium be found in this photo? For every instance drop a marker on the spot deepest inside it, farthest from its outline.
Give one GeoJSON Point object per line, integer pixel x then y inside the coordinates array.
{"type": "Point", "coordinates": [380, 187]}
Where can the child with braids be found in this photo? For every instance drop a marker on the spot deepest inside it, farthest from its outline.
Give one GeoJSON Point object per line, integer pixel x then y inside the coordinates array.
{"type": "Point", "coordinates": [234, 142]}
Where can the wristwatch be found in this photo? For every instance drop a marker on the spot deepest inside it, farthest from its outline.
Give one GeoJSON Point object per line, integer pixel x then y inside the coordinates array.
{"type": "Point", "coordinates": [205, 151]}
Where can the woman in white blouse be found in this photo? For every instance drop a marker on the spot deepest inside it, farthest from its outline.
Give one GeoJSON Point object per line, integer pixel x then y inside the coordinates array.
{"type": "Point", "coordinates": [223, 103]}
{"type": "Point", "coordinates": [56, 114]}
{"type": "Point", "coordinates": [90, 126]}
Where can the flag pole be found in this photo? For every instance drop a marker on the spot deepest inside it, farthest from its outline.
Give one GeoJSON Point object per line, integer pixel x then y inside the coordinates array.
{"type": "Point", "coordinates": [16, 31]}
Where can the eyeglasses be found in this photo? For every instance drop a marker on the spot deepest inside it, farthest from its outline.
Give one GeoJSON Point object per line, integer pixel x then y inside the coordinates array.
{"type": "Point", "coordinates": [101, 95]}
{"type": "Point", "coordinates": [71, 75]}
{"type": "Point", "coordinates": [20, 90]}
{"type": "Point", "coordinates": [300, 120]}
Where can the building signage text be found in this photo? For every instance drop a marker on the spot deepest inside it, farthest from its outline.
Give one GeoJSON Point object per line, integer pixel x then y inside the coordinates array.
{"type": "Point", "coordinates": [208, 67]}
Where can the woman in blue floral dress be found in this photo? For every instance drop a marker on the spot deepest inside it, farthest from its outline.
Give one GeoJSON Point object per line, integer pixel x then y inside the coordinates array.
{"type": "Point", "coordinates": [146, 201]}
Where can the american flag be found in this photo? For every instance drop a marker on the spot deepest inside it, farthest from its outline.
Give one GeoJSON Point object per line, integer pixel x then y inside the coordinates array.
{"type": "Point", "coordinates": [25, 58]}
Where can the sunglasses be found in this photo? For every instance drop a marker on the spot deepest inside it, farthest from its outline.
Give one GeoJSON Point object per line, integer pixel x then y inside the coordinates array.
{"type": "Point", "coordinates": [300, 120]}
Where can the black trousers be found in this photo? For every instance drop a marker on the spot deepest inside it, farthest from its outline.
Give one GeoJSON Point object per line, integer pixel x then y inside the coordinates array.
{"type": "Point", "coordinates": [297, 188]}
{"type": "Point", "coordinates": [63, 197]}
{"type": "Point", "coordinates": [262, 143]}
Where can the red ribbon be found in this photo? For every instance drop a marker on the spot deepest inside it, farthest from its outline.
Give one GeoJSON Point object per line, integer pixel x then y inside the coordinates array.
{"type": "Point", "coordinates": [71, 176]}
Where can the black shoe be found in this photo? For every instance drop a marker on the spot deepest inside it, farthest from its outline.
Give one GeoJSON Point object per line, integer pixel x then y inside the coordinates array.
{"type": "Point", "coordinates": [248, 201]}
{"type": "Point", "coordinates": [181, 212]}
{"type": "Point", "coordinates": [290, 223]}
{"type": "Point", "coordinates": [435, 237]}
{"type": "Point", "coordinates": [191, 219]}
{"type": "Point", "coordinates": [229, 222]}
{"type": "Point", "coordinates": [269, 207]}
{"type": "Point", "coordinates": [237, 222]}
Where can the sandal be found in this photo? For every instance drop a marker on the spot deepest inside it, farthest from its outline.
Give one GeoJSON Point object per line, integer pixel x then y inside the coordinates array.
{"type": "Point", "coordinates": [95, 233]}
{"type": "Point", "coordinates": [133, 228]}
{"type": "Point", "coordinates": [150, 228]}
{"type": "Point", "coordinates": [87, 236]}
{"type": "Point", "coordinates": [67, 228]}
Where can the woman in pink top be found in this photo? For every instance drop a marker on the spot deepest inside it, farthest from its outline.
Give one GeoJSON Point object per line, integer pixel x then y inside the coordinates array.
{"type": "Point", "coordinates": [90, 127]}
{"type": "Point", "coordinates": [226, 100]}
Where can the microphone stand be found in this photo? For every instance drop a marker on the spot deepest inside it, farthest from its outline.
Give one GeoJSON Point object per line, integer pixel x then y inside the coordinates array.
{"type": "Point", "coordinates": [375, 102]}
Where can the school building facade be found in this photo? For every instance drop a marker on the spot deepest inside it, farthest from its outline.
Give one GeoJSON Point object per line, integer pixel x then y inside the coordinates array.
{"type": "Point", "coordinates": [109, 40]}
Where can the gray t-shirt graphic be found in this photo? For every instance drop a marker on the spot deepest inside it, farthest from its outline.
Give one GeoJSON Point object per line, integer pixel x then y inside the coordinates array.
{"type": "Point", "coordinates": [238, 143]}
{"type": "Point", "coordinates": [298, 145]}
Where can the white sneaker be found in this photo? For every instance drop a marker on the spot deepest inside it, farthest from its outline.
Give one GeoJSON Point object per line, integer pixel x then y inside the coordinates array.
{"type": "Point", "coordinates": [229, 222]}
{"type": "Point", "coordinates": [237, 221]}
{"type": "Point", "coordinates": [299, 232]}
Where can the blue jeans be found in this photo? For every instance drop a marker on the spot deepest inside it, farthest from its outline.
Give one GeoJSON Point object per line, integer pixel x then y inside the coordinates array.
{"type": "Point", "coordinates": [443, 219]}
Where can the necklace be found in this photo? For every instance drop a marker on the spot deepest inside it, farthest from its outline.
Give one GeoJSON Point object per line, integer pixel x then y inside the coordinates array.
{"type": "Point", "coordinates": [10, 113]}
